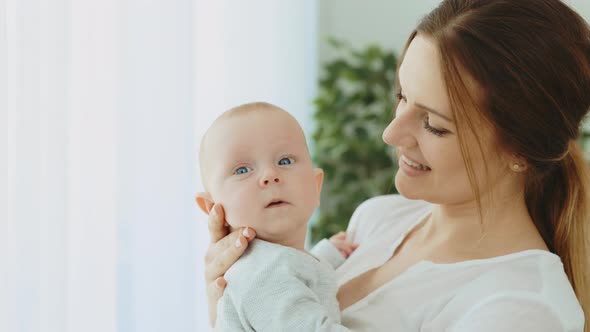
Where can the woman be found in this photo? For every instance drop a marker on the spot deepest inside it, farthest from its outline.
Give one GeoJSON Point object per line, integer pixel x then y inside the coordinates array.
{"type": "Point", "coordinates": [490, 232]}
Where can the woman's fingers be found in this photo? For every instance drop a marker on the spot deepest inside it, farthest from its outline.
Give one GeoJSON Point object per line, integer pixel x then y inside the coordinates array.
{"type": "Point", "coordinates": [226, 252]}
{"type": "Point", "coordinates": [214, 293]}
{"type": "Point", "coordinates": [217, 228]}
{"type": "Point", "coordinates": [223, 252]}
{"type": "Point", "coordinates": [225, 258]}
{"type": "Point", "coordinates": [230, 240]}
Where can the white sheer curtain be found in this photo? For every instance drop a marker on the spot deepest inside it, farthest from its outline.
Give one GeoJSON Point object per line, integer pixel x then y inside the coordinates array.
{"type": "Point", "coordinates": [97, 218]}
{"type": "Point", "coordinates": [102, 104]}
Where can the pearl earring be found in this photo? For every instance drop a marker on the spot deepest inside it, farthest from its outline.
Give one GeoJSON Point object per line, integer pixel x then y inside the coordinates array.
{"type": "Point", "coordinates": [516, 167]}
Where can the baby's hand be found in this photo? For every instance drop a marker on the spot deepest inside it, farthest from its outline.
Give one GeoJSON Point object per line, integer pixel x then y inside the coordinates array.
{"type": "Point", "coordinates": [345, 247]}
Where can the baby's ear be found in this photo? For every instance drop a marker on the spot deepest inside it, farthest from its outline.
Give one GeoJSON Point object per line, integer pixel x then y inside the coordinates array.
{"type": "Point", "coordinates": [319, 179]}
{"type": "Point", "coordinates": [205, 202]}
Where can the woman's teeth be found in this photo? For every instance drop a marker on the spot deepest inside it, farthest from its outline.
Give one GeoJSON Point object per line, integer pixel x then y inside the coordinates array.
{"type": "Point", "coordinates": [415, 165]}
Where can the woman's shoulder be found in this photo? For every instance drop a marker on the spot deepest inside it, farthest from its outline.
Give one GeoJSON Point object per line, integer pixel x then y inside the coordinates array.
{"type": "Point", "coordinates": [382, 213]}
{"type": "Point", "coordinates": [540, 276]}
{"type": "Point", "coordinates": [532, 279]}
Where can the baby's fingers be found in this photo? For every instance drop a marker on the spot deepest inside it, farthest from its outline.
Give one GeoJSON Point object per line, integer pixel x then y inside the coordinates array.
{"type": "Point", "coordinates": [339, 236]}
{"type": "Point", "coordinates": [348, 248]}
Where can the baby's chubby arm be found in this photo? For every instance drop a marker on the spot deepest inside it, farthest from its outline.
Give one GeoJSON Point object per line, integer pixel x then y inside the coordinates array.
{"type": "Point", "coordinates": [335, 250]}
{"type": "Point", "coordinates": [285, 304]}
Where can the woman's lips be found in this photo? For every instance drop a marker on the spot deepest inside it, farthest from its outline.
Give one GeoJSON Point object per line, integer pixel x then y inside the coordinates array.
{"type": "Point", "coordinates": [413, 163]}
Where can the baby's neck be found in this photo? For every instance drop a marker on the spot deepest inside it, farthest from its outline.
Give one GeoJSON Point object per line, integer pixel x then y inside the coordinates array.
{"type": "Point", "coordinates": [295, 239]}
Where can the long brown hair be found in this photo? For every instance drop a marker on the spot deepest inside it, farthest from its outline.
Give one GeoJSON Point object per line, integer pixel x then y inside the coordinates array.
{"type": "Point", "coordinates": [531, 62]}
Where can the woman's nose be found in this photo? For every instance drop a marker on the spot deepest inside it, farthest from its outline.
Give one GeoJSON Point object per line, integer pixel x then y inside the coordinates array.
{"type": "Point", "coordinates": [400, 131]}
{"type": "Point", "coordinates": [269, 177]}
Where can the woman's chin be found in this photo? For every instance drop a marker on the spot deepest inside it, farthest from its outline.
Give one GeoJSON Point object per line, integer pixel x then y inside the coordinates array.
{"type": "Point", "coordinates": [406, 189]}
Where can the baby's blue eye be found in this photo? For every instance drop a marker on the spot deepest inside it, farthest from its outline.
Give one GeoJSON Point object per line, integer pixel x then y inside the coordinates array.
{"type": "Point", "coordinates": [242, 170]}
{"type": "Point", "coordinates": [286, 161]}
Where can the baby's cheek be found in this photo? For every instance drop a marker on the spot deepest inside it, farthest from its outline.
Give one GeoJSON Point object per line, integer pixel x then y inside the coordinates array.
{"type": "Point", "coordinates": [239, 209]}
{"type": "Point", "coordinates": [311, 195]}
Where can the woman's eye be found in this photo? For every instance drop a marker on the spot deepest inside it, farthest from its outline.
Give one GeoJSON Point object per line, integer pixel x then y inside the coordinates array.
{"type": "Point", "coordinates": [435, 131]}
{"type": "Point", "coordinates": [286, 161]}
{"type": "Point", "coordinates": [242, 170]}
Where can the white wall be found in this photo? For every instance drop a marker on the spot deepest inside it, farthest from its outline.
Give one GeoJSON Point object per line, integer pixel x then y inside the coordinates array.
{"type": "Point", "coordinates": [386, 22]}
{"type": "Point", "coordinates": [262, 50]}
{"type": "Point", "coordinates": [581, 6]}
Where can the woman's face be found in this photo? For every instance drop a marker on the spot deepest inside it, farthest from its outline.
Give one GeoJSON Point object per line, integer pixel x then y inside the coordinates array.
{"type": "Point", "coordinates": [425, 134]}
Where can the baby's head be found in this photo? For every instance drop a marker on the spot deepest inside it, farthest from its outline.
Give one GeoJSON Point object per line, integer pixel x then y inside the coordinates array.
{"type": "Point", "coordinates": [254, 161]}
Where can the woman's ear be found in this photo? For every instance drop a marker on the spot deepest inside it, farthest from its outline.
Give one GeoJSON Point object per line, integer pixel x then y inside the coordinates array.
{"type": "Point", "coordinates": [205, 202]}
{"type": "Point", "coordinates": [517, 164]}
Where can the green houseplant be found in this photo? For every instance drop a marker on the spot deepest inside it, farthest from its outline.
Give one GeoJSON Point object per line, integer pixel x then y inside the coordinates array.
{"type": "Point", "coordinates": [354, 106]}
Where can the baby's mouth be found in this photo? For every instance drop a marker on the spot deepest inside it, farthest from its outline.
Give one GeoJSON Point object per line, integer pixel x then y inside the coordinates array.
{"type": "Point", "coordinates": [276, 203]}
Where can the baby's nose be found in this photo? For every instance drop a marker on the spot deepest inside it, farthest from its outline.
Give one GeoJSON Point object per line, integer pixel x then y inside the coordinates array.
{"type": "Point", "coordinates": [266, 181]}
{"type": "Point", "coordinates": [271, 176]}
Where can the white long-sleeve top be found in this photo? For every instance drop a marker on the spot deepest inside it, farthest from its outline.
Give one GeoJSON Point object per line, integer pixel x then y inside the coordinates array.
{"type": "Point", "coordinates": [524, 291]}
{"type": "Point", "coordinates": [277, 288]}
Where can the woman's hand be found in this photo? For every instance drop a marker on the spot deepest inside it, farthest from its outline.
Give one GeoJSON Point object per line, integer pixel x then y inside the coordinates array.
{"type": "Point", "coordinates": [345, 247]}
{"type": "Point", "coordinates": [222, 253]}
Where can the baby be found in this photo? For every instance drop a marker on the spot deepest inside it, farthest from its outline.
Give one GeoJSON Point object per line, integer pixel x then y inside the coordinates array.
{"type": "Point", "coordinates": [255, 162]}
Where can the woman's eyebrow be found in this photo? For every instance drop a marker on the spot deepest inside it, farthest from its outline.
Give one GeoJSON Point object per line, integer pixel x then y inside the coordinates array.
{"type": "Point", "coordinates": [424, 107]}
{"type": "Point", "coordinates": [428, 109]}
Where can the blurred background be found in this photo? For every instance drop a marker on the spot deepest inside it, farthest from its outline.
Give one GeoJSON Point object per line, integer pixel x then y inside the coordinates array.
{"type": "Point", "coordinates": [103, 104]}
